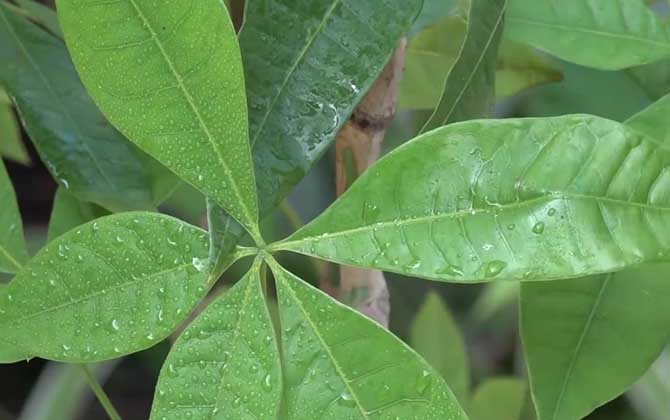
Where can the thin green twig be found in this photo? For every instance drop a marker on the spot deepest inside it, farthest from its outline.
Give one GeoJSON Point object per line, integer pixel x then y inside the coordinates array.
{"type": "Point", "coordinates": [100, 393]}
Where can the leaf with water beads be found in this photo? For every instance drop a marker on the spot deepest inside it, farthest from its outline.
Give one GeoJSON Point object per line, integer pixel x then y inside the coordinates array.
{"type": "Point", "coordinates": [340, 365]}
{"type": "Point", "coordinates": [225, 365]}
{"type": "Point", "coordinates": [108, 288]}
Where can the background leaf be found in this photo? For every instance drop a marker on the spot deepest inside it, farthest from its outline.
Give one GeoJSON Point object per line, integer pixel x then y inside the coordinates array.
{"type": "Point", "coordinates": [11, 145]}
{"type": "Point", "coordinates": [470, 86]}
{"type": "Point", "coordinates": [431, 12]}
{"type": "Point", "coordinates": [435, 335]}
{"type": "Point", "coordinates": [112, 287]}
{"type": "Point", "coordinates": [339, 364]}
{"type": "Point", "coordinates": [520, 67]}
{"type": "Point", "coordinates": [587, 340]}
{"type": "Point", "coordinates": [81, 150]}
{"type": "Point", "coordinates": [183, 105]}
{"type": "Point", "coordinates": [13, 253]}
{"type": "Point", "coordinates": [651, 394]}
{"type": "Point", "coordinates": [531, 199]}
{"type": "Point", "coordinates": [229, 354]}
{"type": "Point", "coordinates": [607, 35]}
{"type": "Point", "coordinates": [43, 15]}
{"type": "Point", "coordinates": [69, 212]}
{"type": "Point", "coordinates": [653, 121]}
{"type": "Point", "coordinates": [499, 399]}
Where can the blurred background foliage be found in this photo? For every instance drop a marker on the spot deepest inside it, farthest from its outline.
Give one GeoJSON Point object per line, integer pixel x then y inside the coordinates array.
{"type": "Point", "coordinates": [469, 333]}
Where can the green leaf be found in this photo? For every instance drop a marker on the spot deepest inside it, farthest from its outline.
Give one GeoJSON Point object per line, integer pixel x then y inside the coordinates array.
{"type": "Point", "coordinates": [520, 67]}
{"type": "Point", "coordinates": [522, 199]}
{"type": "Point", "coordinates": [112, 287]}
{"type": "Point", "coordinates": [653, 121]}
{"type": "Point", "coordinates": [608, 35]}
{"type": "Point", "coordinates": [436, 337]}
{"type": "Point", "coordinates": [324, 56]}
{"type": "Point", "coordinates": [13, 253]}
{"type": "Point", "coordinates": [81, 150]}
{"type": "Point", "coordinates": [228, 355]}
{"type": "Point", "coordinates": [612, 324]}
{"type": "Point", "coordinates": [430, 55]}
{"type": "Point", "coordinates": [170, 78]}
{"type": "Point", "coordinates": [470, 86]}
{"type": "Point", "coordinates": [43, 15]}
{"type": "Point", "coordinates": [499, 399]}
{"type": "Point", "coordinates": [68, 212]}
{"type": "Point", "coordinates": [340, 365]}
{"type": "Point", "coordinates": [653, 79]}
{"type": "Point", "coordinates": [11, 145]}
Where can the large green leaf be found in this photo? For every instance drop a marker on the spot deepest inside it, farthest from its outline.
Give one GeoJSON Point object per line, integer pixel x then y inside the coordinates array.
{"type": "Point", "coordinates": [225, 365]}
{"type": "Point", "coordinates": [11, 144]}
{"type": "Point", "coordinates": [435, 335]}
{"type": "Point", "coordinates": [325, 56]}
{"type": "Point", "coordinates": [653, 120]}
{"type": "Point", "coordinates": [587, 340]}
{"type": "Point", "coordinates": [608, 35]}
{"type": "Point", "coordinates": [111, 287]}
{"type": "Point", "coordinates": [340, 365]}
{"type": "Point", "coordinates": [13, 252]}
{"type": "Point", "coordinates": [168, 74]}
{"type": "Point", "coordinates": [504, 199]}
{"type": "Point", "coordinates": [81, 150]}
{"type": "Point", "coordinates": [499, 399]}
{"type": "Point", "coordinates": [469, 88]}
{"type": "Point", "coordinates": [68, 212]}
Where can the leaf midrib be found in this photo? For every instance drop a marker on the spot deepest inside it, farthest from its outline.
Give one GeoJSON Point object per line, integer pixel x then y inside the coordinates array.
{"type": "Point", "coordinates": [664, 45]}
{"type": "Point", "coordinates": [189, 98]}
{"type": "Point", "coordinates": [289, 243]}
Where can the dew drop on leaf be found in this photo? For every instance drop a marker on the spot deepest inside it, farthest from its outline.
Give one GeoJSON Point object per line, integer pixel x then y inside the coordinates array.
{"type": "Point", "coordinates": [538, 229]}
{"type": "Point", "coordinates": [494, 268]}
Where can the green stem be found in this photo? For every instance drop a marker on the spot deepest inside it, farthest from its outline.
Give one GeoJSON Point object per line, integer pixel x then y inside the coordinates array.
{"type": "Point", "coordinates": [291, 215]}
{"type": "Point", "coordinates": [100, 393]}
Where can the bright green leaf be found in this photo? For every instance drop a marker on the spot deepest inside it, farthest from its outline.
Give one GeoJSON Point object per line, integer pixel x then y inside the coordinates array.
{"type": "Point", "coordinates": [168, 74]}
{"type": "Point", "coordinates": [498, 399]}
{"type": "Point", "coordinates": [112, 287]}
{"type": "Point", "coordinates": [436, 337]}
{"type": "Point", "coordinates": [469, 88]}
{"type": "Point", "coordinates": [13, 253]}
{"type": "Point", "coordinates": [520, 67]}
{"type": "Point", "coordinates": [587, 340]}
{"type": "Point", "coordinates": [340, 365]}
{"type": "Point", "coordinates": [229, 355]}
{"type": "Point", "coordinates": [607, 35]}
{"type": "Point", "coordinates": [43, 15]}
{"type": "Point", "coordinates": [307, 66]}
{"type": "Point", "coordinates": [11, 144]}
{"type": "Point", "coordinates": [653, 121]}
{"type": "Point", "coordinates": [68, 212]}
{"type": "Point", "coordinates": [8, 353]}
{"type": "Point", "coordinates": [81, 150]}
{"type": "Point", "coordinates": [531, 199]}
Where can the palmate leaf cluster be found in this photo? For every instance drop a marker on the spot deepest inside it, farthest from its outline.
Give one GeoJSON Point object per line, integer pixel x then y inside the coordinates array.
{"type": "Point", "coordinates": [134, 97]}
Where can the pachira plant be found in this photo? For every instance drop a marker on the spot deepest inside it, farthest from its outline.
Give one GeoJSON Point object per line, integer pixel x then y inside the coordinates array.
{"type": "Point", "coordinates": [127, 100]}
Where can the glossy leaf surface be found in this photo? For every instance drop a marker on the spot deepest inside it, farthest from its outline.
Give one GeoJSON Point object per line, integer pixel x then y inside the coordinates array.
{"type": "Point", "coordinates": [340, 365]}
{"type": "Point", "coordinates": [470, 86]}
{"type": "Point", "coordinates": [225, 365]}
{"type": "Point", "coordinates": [307, 65]}
{"type": "Point", "coordinates": [112, 287]}
{"type": "Point", "coordinates": [68, 212]}
{"type": "Point", "coordinates": [13, 252]}
{"type": "Point", "coordinates": [607, 35]}
{"type": "Point", "coordinates": [612, 324]}
{"type": "Point", "coordinates": [499, 399]}
{"type": "Point", "coordinates": [531, 199]}
{"type": "Point", "coordinates": [169, 75]}
{"type": "Point", "coordinates": [435, 335]}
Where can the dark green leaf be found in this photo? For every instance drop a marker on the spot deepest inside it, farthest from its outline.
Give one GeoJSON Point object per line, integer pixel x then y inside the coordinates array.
{"type": "Point", "coordinates": [169, 75]}
{"type": "Point", "coordinates": [531, 199]}
{"type": "Point", "coordinates": [587, 340]}
{"type": "Point", "coordinates": [607, 35]}
{"type": "Point", "coordinates": [43, 15]}
{"type": "Point", "coordinates": [13, 252]}
{"type": "Point", "coordinates": [653, 79]}
{"type": "Point", "coordinates": [112, 287]}
{"type": "Point", "coordinates": [229, 356]}
{"type": "Point", "coordinates": [469, 88]}
{"type": "Point", "coordinates": [82, 151]}
{"type": "Point", "coordinates": [68, 212]}
{"type": "Point", "coordinates": [436, 337]}
{"type": "Point", "coordinates": [340, 365]}
{"type": "Point", "coordinates": [499, 399]}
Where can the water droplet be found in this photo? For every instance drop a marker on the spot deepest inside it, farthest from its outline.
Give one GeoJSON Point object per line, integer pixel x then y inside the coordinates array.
{"type": "Point", "coordinates": [551, 212]}
{"type": "Point", "coordinates": [494, 268]}
{"type": "Point", "coordinates": [347, 400]}
{"type": "Point", "coordinates": [119, 239]}
{"type": "Point", "coordinates": [200, 264]}
{"type": "Point", "coordinates": [538, 229]}
{"type": "Point", "coordinates": [116, 325]}
{"type": "Point", "coordinates": [267, 383]}
{"type": "Point", "coordinates": [452, 271]}
{"type": "Point", "coordinates": [423, 383]}
{"type": "Point", "coordinates": [172, 370]}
